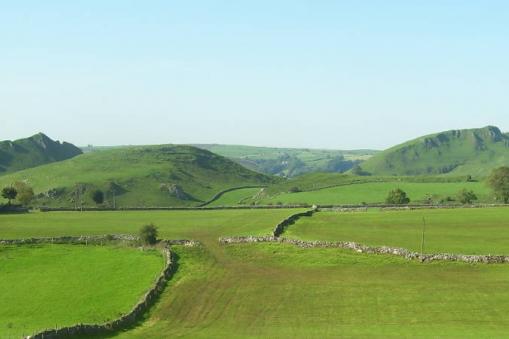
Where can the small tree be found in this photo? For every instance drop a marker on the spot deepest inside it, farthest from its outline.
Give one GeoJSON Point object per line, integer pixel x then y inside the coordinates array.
{"type": "Point", "coordinates": [9, 193]}
{"type": "Point", "coordinates": [499, 183]}
{"type": "Point", "coordinates": [148, 234]}
{"type": "Point", "coordinates": [98, 197]}
{"type": "Point", "coordinates": [25, 192]}
{"type": "Point", "coordinates": [397, 197]}
{"type": "Point", "coordinates": [466, 197]}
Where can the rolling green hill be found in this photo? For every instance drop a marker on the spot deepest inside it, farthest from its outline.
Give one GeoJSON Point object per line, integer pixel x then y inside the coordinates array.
{"type": "Point", "coordinates": [165, 175]}
{"type": "Point", "coordinates": [290, 162]}
{"type": "Point", "coordinates": [458, 152]}
{"type": "Point", "coordinates": [33, 151]}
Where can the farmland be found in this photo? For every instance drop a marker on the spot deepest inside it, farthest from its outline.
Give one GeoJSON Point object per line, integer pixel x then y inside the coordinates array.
{"type": "Point", "coordinates": [466, 231]}
{"type": "Point", "coordinates": [260, 290]}
{"type": "Point", "coordinates": [358, 193]}
{"type": "Point", "coordinates": [57, 285]}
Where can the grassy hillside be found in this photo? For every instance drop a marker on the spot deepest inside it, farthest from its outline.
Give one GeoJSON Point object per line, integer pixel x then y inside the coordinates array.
{"type": "Point", "coordinates": [466, 152]}
{"type": "Point", "coordinates": [137, 176]}
{"type": "Point", "coordinates": [34, 151]}
{"type": "Point", "coordinates": [291, 161]}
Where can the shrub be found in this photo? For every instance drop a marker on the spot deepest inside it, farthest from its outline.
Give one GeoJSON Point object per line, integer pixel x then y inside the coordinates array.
{"type": "Point", "coordinates": [148, 234]}
{"type": "Point", "coordinates": [466, 197]}
{"type": "Point", "coordinates": [98, 196]}
{"type": "Point", "coordinates": [294, 189]}
{"type": "Point", "coordinates": [397, 197]}
{"type": "Point", "coordinates": [9, 193]}
{"type": "Point", "coordinates": [499, 182]}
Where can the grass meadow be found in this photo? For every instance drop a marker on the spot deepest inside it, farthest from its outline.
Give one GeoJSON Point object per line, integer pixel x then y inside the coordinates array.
{"type": "Point", "coordinates": [275, 291]}
{"type": "Point", "coordinates": [58, 285]}
{"type": "Point", "coordinates": [279, 290]}
{"type": "Point", "coordinates": [200, 225]}
{"type": "Point", "coordinates": [466, 231]}
{"type": "Point", "coordinates": [376, 192]}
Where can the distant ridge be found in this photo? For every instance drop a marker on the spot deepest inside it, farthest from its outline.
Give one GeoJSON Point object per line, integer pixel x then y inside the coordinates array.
{"type": "Point", "coordinates": [290, 162]}
{"type": "Point", "coordinates": [459, 152]}
{"type": "Point", "coordinates": [34, 151]}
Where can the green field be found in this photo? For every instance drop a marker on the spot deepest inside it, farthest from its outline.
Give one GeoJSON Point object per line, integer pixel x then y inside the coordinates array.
{"type": "Point", "coordinates": [281, 291]}
{"type": "Point", "coordinates": [198, 225]}
{"type": "Point", "coordinates": [466, 231]}
{"type": "Point", "coordinates": [275, 290]}
{"type": "Point", "coordinates": [376, 192]}
{"type": "Point", "coordinates": [60, 285]}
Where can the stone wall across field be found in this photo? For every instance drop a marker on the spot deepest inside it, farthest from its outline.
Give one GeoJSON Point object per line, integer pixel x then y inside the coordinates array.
{"type": "Point", "coordinates": [359, 248]}
{"type": "Point", "coordinates": [80, 240]}
{"type": "Point", "coordinates": [205, 208]}
{"type": "Point", "coordinates": [126, 320]}
{"type": "Point", "coordinates": [280, 228]}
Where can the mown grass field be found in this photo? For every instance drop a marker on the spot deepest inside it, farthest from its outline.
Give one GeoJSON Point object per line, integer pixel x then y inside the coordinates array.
{"type": "Point", "coordinates": [376, 192]}
{"type": "Point", "coordinates": [274, 290]}
{"type": "Point", "coordinates": [466, 231]}
{"type": "Point", "coordinates": [58, 285]}
{"type": "Point", "coordinates": [198, 225]}
{"type": "Point", "coordinates": [281, 291]}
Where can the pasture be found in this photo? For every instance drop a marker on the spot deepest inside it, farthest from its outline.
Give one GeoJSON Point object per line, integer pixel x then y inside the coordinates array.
{"type": "Point", "coordinates": [198, 225]}
{"type": "Point", "coordinates": [58, 285]}
{"type": "Point", "coordinates": [279, 290]}
{"type": "Point", "coordinates": [376, 192]}
{"type": "Point", "coordinates": [465, 231]}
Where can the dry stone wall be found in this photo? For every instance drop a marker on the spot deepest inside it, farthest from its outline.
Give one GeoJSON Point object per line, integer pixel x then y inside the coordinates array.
{"type": "Point", "coordinates": [280, 228]}
{"type": "Point", "coordinates": [360, 248]}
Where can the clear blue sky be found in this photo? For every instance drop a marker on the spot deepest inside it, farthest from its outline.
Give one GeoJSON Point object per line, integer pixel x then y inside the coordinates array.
{"type": "Point", "coordinates": [332, 74]}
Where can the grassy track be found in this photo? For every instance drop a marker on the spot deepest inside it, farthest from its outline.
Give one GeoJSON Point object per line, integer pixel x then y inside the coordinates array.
{"type": "Point", "coordinates": [376, 192]}
{"type": "Point", "coordinates": [50, 285]}
{"type": "Point", "coordinates": [271, 290]}
{"type": "Point", "coordinates": [467, 231]}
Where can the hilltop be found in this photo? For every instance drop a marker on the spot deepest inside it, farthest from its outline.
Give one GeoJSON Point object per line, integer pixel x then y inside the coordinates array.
{"type": "Point", "coordinates": [290, 162]}
{"type": "Point", "coordinates": [165, 175]}
{"type": "Point", "coordinates": [457, 152]}
{"type": "Point", "coordinates": [30, 152]}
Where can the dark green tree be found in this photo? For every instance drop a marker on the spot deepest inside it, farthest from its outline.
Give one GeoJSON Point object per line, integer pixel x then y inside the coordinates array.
{"type": "Point", "coordinates": [98, 196]}
{"type": "Point", "coordinates": [466, 197]}
{"type": "Point", "coordinates": [148, 234]}
{"type": "Point", "coordinates": [9, 193]}
{"type": "Point", "coordinates": [499, 183]}
{"type": "Point", "coordinates": [397, 197]}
